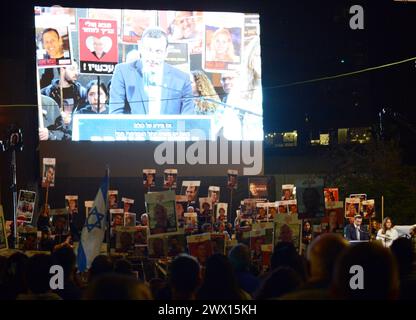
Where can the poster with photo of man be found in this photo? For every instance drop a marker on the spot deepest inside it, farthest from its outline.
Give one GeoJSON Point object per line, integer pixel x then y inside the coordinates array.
{"type": "Point", "coordinates": [26, 206]}
{"type": "Point", "coordinates": [261, 211]}
{"type": "Point", "coordinates": [283, 207]}
{"type": "Point", "coordinates": [134, 22]}
{"type": "Point", "coordinates": [48, 172]}
{"type": "Point", "coordinates": [258, 188]}
{"type": "Point", "coordinates": [214, 194]}
{"type": "Point", "coordinates": [292, 206]}
{"type": "Point", "coordinates": [205, 206]}
{"type": "Point", "coordinates": [149, 178]}
{"type": "Point", "coordinates": [161, 211]}
{"type": "Point", "coordinates": [310, 197]}
{"type": "Point", "coordinates": [169, 178]}
{"type": "Point", "coordinates": [368, 208]}
{"type": "Point", "coordinates": [129, 219]}
{"type": "Point", "coordinates": [190, 190]}
{"type": "Point", "coordinates": [272, 210]}
{"type": "Point", "coordinates": [288, 192]}
{"type": "Point", "coordinates": [232, 182]}
{"type": "Point", "coordinates": [117, 218]}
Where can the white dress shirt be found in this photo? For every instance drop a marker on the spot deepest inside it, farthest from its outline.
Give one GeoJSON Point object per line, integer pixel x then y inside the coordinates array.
{"type": "Point", "coordinates": [387, 238]}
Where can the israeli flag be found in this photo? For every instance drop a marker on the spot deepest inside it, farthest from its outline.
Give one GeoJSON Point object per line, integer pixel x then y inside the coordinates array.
{"type": "Point", "coordinates": [93, 232]}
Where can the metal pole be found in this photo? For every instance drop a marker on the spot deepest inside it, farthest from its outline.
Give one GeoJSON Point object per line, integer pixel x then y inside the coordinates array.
{"type": "Point", "coordinates": [382, 208]}
{"type": "Point", "coordinates": [98, 92]}
{"type": "Point", "coordinates": [14, 189]}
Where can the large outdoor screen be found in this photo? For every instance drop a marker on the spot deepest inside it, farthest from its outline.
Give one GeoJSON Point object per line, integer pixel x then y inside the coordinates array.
{"type": "Point", "coordinates": [136, 75]}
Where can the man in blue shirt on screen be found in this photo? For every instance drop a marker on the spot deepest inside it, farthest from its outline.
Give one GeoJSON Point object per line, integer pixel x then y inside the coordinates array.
{"type": "Point", "coordinates": [150, 85]}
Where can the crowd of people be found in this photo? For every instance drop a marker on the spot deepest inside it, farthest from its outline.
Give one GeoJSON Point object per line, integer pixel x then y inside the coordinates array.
{"type": "Point", "coordinates": [322, 274]}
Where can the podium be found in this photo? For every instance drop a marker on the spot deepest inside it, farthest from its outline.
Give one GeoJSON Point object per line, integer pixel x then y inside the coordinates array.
{"type": "Point", "coordinates": [132, 127]}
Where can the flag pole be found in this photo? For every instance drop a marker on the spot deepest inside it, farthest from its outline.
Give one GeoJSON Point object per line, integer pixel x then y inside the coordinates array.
{"type": "Point", "coordinates": [108, 239]}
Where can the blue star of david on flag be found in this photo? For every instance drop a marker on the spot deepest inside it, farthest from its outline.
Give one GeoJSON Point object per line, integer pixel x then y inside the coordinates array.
{"type": "Point", "coordinates": [94, 214]}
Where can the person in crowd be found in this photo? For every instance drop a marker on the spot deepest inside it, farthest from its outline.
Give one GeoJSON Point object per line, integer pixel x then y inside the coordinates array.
{"type": "Point", "coordinates": [100, 265]}
{"type": "Point", "coordinates": [221, 47]}
{"type": "Point", "coordinates": [46, 243]}
{"type": "Point", "coordinates": [74, 94]}
{"type": "Point", "coordinates": [355, 231]}
{"type": "Point", "coordinates": [123, 266]}
{"type": "Point", "coordinates": [332, 221]}
{"type": "Point", "coordinates": [321, 255]}
{"type": "Point", "coordinates": [14, 278]}
{"type": "Point", "coordinates": [205, 96]}
{"type": "Point", "coordinates": [279, 282]}
{"type": "Point", "coordinates": [52, 43]}
{"type": "Point", "coordinates": [381, 278]}
{"type": "Point", "coordinates": [402, 250]}
{"type": "Point", "coordinates": [92, 98]}
{"type": "Point", "coordinates": [239, 257]}
{"type": "Point", "coordinates": [144, 220]}
{"type": "Point", "coordinates": [387, 234]}
{"type": "Point", "coordinates": [150, 85]}
{"type": "Point", "coordinates": [285, 255]}
{"type": "Point", "coordinates": [307, 233]}
{"type": "Point", "coordinates": [220, 282]}
{"type": "Point", "coordinates": [65, 257]}
{"type": "Point", "coordinates": [184, 277]}
{"type": "Point", "coordinates": [53, 123]}
{"type": "Point", "coordinates": [117, 287]}
{"type": "Point", "coordinates": [375, 226]}
{"type": "Point", "coordinates": [38, 279]}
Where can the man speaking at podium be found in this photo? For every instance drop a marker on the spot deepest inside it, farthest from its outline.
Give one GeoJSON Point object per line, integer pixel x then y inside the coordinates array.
{"type": "Point", "coordinates": [150, 85]}
{"type": "Point", "coordinates": [355, 231]}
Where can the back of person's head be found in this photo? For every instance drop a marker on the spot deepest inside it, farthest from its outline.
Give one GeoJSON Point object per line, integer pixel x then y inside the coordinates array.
{"type": "Point", "coordinates": [123, 266]}
{"type": "Point", "coordinates": [402, 249]}
{"type": "Point", "coordinates": [100, 265]}
{"type": "Point", "coordinates": [184, 275]}
{"type": "Point", "coordinates": [279, 282]}
{"type": "Point", "coordinates": [365, 271]}
{"type": "Point", "coordinates": [285, 255]}
{"type": "Point", "coordinates": [14, 277]}
{"type": "Point", "coordinates": [38, 275]}
{"type": "Point", "coordinates": [322, 254]}
{"type": "Point", "coordinates": [117, 287]}
{"type": "Point", "coordinates": [159, 289]}
{"type": "Point", "coordinates": [220, 281]}
{"type": "Point", "coordinates": [65, 257]}
{"type": "Point", "coordinates": [239, 257]}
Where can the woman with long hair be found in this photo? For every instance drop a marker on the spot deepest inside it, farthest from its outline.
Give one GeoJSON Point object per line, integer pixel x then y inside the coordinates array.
{"type": "Point", "coordinates": [203, 88]}
{"type": "Point", "coordinates": [220, 281]}
{"type": "Point", "coordinates": [92, 99]}
{"type": "Point", "coordinates": [387, 234]}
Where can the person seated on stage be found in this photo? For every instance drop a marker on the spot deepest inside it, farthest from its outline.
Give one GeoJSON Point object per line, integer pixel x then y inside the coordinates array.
{"type": "Point", "coordinates": [355, 231]}
{"type": "Point", "coordinates": [149, 85]}
{"type": "Point", "coordinates": [92, 98]}
{"type": "Point", "coordinates": [387, 234]}
{"type": "Point", "coordinates": [203, 88]}
{"type": "Point", "coordinates": [54, 127]}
